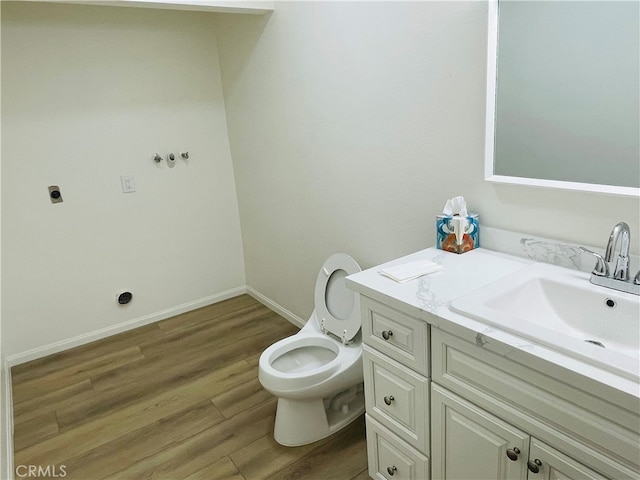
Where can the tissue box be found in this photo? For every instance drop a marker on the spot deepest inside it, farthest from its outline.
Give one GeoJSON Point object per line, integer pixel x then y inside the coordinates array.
{"type": "Point", "coordinates": [466, 238]}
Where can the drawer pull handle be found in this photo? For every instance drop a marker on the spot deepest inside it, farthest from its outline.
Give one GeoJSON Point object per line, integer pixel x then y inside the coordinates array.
{"type": "Point", "coordinates": [388, 400]}
{"type": "Point", "coordinates": [534, 465]}
{"type": "Point", "coordinates": [392, 470]}
{"type": "Point", "coordinates": [513, 453]}
{"type": "Point", "coordinates": [386, 334]}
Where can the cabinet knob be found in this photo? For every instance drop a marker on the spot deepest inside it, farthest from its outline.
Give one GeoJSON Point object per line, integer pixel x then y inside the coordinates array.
{"type": "Point", "coordinates": [392, 470]}
{"type": "Point", "coordinates": [386, 334]}
{"type": "Point", "coordinates": [389, 399]}
{"type": "Point", "coordinates": [534, 465]}
{"type": "Point", "coordinates": [513, 453]}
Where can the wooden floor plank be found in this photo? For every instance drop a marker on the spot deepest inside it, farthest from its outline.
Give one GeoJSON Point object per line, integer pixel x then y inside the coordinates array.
{"type": "Point", "coordinates": [35, 430]}
{"type": "Point", "coordinates": [148, 381]}
{"type": "Point", "coordinates": [73, 374]}
{"type": "Point", "coordinates": [363, 475]}
{"type": "Point", "coordinates": [90, 435]}
{"type": "Point", "coordinates": [78, 355]}
{"type": "Point", "coordinates": [146, 441]}
{"type": "Point", "coordinates": [211, 352]}
{"type": "Point", "coordinates": [52, 401]}
{"type": "Point", "coordinates": [255, 358]}
{"type": "Point", "coordinates": [221, 331]}
{"type": "Point", "coordinates": [223, 469]}
{"type": "Point", "coordinates": [249, 338]}
{"type": "Point", "coordinates": [337, 459]}
{"type": "Point", "coordinates": [211, 312]}
{"type": "Point", "coordinates": [241, 397]}
{"type": "Point", "coordinates": [173, 400]}
{"type": "Point", "coordinates": [265, 457]}
{"type": "Point", "coordinates": [148, 377]}
{"type": "Point", "coordinates": [205, 448]}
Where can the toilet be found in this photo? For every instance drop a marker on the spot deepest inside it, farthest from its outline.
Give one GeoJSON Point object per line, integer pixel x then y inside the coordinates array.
{"type": "Point", "coordinates": [317, 373]}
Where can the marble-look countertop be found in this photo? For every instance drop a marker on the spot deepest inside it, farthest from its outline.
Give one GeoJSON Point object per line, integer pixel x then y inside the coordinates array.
{"type": "Point", "coordinates": [429, 297]}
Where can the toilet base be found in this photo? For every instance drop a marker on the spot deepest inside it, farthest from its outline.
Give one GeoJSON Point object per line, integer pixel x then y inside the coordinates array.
{"type": "Point", "coordinates": [299, 422]}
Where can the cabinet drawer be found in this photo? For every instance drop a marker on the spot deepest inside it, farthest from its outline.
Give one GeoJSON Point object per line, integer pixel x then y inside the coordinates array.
{"type": "Point", "coordinates": [402, 337]}
{"type": "Point", "coordinates": [397, 397]}
{"type": "Point", "coordinates": [390, 458]}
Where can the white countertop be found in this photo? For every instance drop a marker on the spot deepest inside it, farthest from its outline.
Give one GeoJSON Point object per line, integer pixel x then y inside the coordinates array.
{"type": "Point", "coordinates": [428, 297]}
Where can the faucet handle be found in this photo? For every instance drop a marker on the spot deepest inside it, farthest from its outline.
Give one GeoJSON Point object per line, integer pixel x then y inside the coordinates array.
{"type": "Point", "coordinates": [602, 267]}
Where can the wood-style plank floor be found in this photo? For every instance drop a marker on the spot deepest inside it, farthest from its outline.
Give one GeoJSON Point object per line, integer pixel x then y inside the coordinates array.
{"type": "Point", "coordinates": [176, 399]}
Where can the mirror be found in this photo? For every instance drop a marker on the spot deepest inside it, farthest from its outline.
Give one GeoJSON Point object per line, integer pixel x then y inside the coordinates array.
{"type": "Point", "coordinates": [563, 96]}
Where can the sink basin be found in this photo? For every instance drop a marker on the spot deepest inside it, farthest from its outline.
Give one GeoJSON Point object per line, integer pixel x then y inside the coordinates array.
{"type": "Point", "coordinates": [559, 308]}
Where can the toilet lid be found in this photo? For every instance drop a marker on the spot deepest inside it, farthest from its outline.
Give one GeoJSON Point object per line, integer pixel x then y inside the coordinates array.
{"type": "Point", "coordinates": [337, 307]}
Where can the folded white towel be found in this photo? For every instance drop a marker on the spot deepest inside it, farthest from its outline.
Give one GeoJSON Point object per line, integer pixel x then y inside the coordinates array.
{"type": "Point", "coordinates": [411, 270]}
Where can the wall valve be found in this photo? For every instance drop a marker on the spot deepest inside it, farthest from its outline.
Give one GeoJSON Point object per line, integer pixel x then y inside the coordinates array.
{"type": "Point", "coordinates": [54, 194]}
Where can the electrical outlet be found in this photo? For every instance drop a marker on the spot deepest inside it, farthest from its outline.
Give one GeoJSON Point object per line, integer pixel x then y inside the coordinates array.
{"type": "Point", "coordinates": [128, 183]}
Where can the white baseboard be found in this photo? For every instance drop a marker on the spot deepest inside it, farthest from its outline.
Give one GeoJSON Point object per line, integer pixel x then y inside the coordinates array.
{"type": "Point", "coordinates": [8, 423]}
{"type": "Point", "coordinates": [66, 344]}
{"type": "Point", "coordinates": [280, 310]}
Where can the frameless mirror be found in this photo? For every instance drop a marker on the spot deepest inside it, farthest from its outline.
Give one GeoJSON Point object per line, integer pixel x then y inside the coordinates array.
{"type": "Point", "coordinates": [563, 106]}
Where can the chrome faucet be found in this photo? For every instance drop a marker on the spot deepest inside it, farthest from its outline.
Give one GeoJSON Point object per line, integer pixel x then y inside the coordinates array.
{"type": "Point", "coordinates": [619, 232]}
{"type": "Point", "coordinates": [618, 278]}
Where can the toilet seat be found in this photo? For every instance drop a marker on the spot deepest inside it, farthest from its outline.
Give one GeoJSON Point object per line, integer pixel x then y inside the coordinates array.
{"type": "Point", "coordinates": [337, 307]}
{"type": "Point", "coordinates": [274, 360]}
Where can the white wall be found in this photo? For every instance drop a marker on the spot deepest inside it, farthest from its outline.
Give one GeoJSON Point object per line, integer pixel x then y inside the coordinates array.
{"type": "Point", "coordinates": [5, 448]}
{"type": "Point", "coordinates": [351, 123]}
{"type": "Point", "coordinates": [90, 93]}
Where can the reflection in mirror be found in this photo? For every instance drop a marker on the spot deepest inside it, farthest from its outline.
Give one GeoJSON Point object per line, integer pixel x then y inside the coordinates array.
{"type": "Point", "coordinates": [563, 104]}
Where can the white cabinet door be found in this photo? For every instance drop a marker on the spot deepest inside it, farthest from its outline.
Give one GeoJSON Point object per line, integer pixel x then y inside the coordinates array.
{"type": "Point", "coordinates": [468, 443]}
{"type": "Point", "coordinates": [547, 463]}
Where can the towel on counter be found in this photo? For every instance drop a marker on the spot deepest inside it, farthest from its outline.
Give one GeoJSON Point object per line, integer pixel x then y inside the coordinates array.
{"type": "Point", "coordinates": [411, 270]}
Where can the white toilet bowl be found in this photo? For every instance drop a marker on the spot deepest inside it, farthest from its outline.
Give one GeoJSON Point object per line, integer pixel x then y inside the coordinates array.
{"type": "Point", "coordinates": [317, 373]}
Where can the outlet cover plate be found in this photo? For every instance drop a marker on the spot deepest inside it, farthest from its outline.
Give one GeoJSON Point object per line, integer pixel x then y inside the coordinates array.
{"type": "Point", "coordinates": [128, 183]}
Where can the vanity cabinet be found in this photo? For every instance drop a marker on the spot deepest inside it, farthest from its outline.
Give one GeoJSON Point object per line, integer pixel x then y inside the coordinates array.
{"type": "Point", "coordinates": [470, 443]}
{"type": "Point", "coordinates": [396, 372]}
{"type": "Point", "coordinates": [446, 402]}
{"type": "Point", "coordinates": [449, 397]}
{"type": "Point", "coordinates": [497, 414]}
